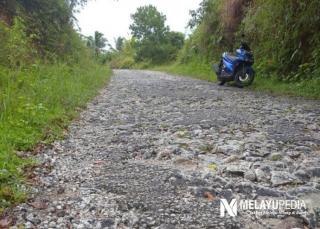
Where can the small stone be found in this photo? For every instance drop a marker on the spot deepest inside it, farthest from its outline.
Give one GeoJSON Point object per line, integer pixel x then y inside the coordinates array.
{"type": "Point", "coordinates": [276, 157]}
{"type": "Point", "coordinates": [60, 220]}
{"type": "Point", "coordinates": [61, 190]}
{"type": "Point", "coordinates": [261, 175]}
{"type": "Point", "coordinates": [294, 154]}
{"type": "Point", "coordinates": [80, 226]}
{"type": "Point", "coordinates": [264, 191]}
{"type": "Point", "coordinates": [237, 169]}
{"type": "Point", "coordinates": [232, 146]}
{"type": "Point", "coordinates": [61, 214]}
{"type": "Point", "coordinates": [184, 161]}
{"type": "Point", "coordinates": [314, 171]}
{"type": "Point", "coordinates": [230, 159]}
{"type": "Point", "coordinates": [164, 155]}
{"type": "Point", "coordinates": [250, 175]}
{"type": "Point", "coordinates": [30, 217]}
{"type": "Point", "coordinates": [253, 159]}
{"type": "Point", "coordinates": [279, 178]}
{"type": "Point", "coordinates": [302, 174]}
{"type": "Point", "coordinates": [291, 223]}
{"type": "Point", "coordinates": [177, 151]}
{"type": "Point", "coordinates": [304, 149]}
{"type": "Point", "coordinates": [52, 224]}
{"type": "Point", "coordinates": [197, 132]}
{"type": "Point", "coordinates": [36, 221]}
{"type": "Point", "coordinates": [150, 221]}
{"type": "Point", "coordinates": [28, 225]}
{"type": "Point", "coordinates": [280, 164]}
{"type": "Point", "coordinates": [107, 223]}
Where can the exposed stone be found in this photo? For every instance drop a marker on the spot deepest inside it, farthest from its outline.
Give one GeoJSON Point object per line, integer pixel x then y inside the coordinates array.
{"type": "Point", "coordinates": [250, 175]}
{"type": "Point", "coordinates": [314, 171]}
{"type": "Point", "coordinates": [304, 149]}
{"type": "Point", "coordinates": [276, 157]}
{"type": "Point", "coordinates": [291, 223]}
{"type": "Point", "coordinates": [230, 159]}
{"type": "Point", "coordinates": [283, 178]}
{"type": "Point", "coordinates": [261, 175]}
{"type": "Point", "coordinates": [302, 174]}
{"type": "Point", "coordinates": [237, 169]}
{"type": "Point", "coordinates": [294, 154]}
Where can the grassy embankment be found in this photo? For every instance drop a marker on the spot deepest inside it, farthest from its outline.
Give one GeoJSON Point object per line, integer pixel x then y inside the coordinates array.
{"type": "Point", "coordinates": [306, 88]}
{"type": "Point", "coordinates": [36, 106]}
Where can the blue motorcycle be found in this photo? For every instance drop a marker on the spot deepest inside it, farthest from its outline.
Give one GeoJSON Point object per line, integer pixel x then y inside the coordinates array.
{"type": "Point", "coordinates": [236, 67]}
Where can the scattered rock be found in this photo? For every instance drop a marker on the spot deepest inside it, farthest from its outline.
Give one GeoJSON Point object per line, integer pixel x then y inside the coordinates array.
{"type": "Point", "coordinates": [276, 157]}
{"type": "Point", "coordinates": [185, 162]}
{"type": "Point", "coordinates": [232, 147]}
{"type": "Point", "coordinates": [283, 178]}
{"type": "Point", "coordinates": [107, 223]}
{"type": "Point", "coordinates": [237, 169]}
{"type": "Point", "coordinates": [164, 155]}
{"type": "Point", "coordinates": [5, 222]}
{"type": "Point", "coordinates": [28, 225]}
{"type": "Point", "coordinates": [39, 204]}
{"type": "Point", "coordinates": [291, 223]}
{"type": "Point", "coordinates": [304, 149]}
{"type": "Point", "coordinates": [261, 175]}
{"type": "Point", "coordinates": [230, 159]}
{"type": "Point", "coordinates": [265, 191]}
{"type": "Point", "coordinates": [61, 214]}
{"type": "Point", "coordinates": [294, 154]}
{"type": "Point", "coordinates": [250, 175]}
{"type": "Point", "coordinates": [302, 174]}
{"type": "Point", "coordinates": [61, 190]}
{"type": "Point", "coordinates": [314, 171]}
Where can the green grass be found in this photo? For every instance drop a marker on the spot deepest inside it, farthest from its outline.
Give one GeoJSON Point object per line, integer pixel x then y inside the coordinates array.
{"type": "Point", "coordinates": [37, 105]}
{"type": "Point", "coordinates": [308, 88]}
{"type": "Point", "coordinates": [194, 69]}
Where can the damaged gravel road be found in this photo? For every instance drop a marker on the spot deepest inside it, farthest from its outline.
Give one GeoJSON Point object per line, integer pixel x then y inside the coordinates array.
{"type": "Point", "coordinates": [160, 151]}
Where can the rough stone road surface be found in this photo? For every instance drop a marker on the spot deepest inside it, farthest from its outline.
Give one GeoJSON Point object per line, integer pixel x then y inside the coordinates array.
{"type": "Point", "coordinates": [160, 151]}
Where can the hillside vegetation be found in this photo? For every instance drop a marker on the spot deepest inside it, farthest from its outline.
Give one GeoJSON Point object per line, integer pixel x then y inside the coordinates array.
{"type": "Point", "coordinates": [46, 74]}
{"type": "Point", "coordinates": [284, 36]}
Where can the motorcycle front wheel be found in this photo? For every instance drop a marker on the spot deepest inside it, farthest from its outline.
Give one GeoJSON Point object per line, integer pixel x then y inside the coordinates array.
{"type": "Point", "coordinates": [244, 77]}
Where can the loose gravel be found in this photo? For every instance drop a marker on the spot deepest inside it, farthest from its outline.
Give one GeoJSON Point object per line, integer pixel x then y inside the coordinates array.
{"type": "Point", "coordinates": [160, 151]}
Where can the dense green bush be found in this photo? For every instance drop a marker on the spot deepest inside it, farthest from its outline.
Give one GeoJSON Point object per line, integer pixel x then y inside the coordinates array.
{"type": "Point", "coordinates": [16, 48]}
{"type": "Point", "coordinates": [284, 35]}
{"type": "Point", "coordinates": [49, 24]}
{"type": "Point", "coordinates": [124, 58]}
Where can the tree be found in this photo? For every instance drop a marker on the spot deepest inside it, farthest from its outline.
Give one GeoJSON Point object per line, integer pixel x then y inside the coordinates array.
{"type": "Point", "coordinates": [49, 24]}
{"type": "Point", "coordinates": [99, 42]}
{"type": "Point", "coordinates": [151, 34]}
{"type": "Point", "coordinates": [148, 24]}
{"type": "Point", "coordinates": [176, 39]}
{"type": "Point", "coordinates": [120, 43]}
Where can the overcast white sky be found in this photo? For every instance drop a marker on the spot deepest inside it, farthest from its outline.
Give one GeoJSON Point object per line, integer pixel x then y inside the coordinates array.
{"type": "Point", "coordinates": [112, 17]}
